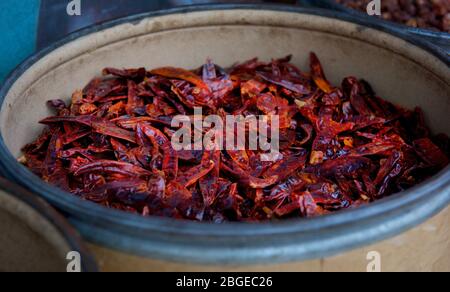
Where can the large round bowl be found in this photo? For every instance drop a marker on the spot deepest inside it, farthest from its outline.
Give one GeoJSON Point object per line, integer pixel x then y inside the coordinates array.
{"type": "Point", "coordinates": [403, 70]}
{"type": "Point", "coordinates": [34, 237]}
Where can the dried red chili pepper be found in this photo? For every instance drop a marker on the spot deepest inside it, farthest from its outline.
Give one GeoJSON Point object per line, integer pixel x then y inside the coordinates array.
{"type": "Point", "coordinates": [340, 147]}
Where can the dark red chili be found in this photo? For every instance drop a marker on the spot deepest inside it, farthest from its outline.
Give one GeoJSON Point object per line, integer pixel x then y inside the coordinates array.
{"type": "Point", "coordinates": [340, 146]}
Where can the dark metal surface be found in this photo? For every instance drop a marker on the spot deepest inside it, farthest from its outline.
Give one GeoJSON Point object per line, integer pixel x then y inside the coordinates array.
{"type": "Point", "coordinates": [239, 243]}
{"type": "Point", "coordinates": [54, 23]}
{"type": "Point", "coordinates": [441, 39]}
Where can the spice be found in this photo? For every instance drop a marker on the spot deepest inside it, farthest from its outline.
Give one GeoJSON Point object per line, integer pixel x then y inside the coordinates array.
{"type": "Point", "coordinates": [429, 14]}
{"type": "Point", "coordinates": [340, 147]}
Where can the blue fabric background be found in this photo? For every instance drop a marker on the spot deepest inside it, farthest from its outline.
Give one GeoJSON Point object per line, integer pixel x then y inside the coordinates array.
{"type": "Point", "coordinates": [18, 26]}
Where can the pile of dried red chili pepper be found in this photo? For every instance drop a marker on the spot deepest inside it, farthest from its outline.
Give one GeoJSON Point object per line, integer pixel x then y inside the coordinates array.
{"type": "Point", "coordinates": [341, 146]}
{"type": "Point", "coordinates": [430, 14]}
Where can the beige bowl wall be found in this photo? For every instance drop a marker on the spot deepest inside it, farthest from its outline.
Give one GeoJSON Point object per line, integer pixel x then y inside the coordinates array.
{"type": "Point", "coordinates": [28, 241]}
{"type": "Point", "coordinates": [425, 248]}
{"type": "Point", "coordinates": [397, 70]}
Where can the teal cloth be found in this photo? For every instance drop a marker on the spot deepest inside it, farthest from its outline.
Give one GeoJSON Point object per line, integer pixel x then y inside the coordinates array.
{"type": "Point", "coordinates": [18, 26]}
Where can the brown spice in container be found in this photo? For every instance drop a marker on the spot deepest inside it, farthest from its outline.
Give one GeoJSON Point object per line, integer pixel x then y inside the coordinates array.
{"type": "Point", "coordinates": [428, 14]}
